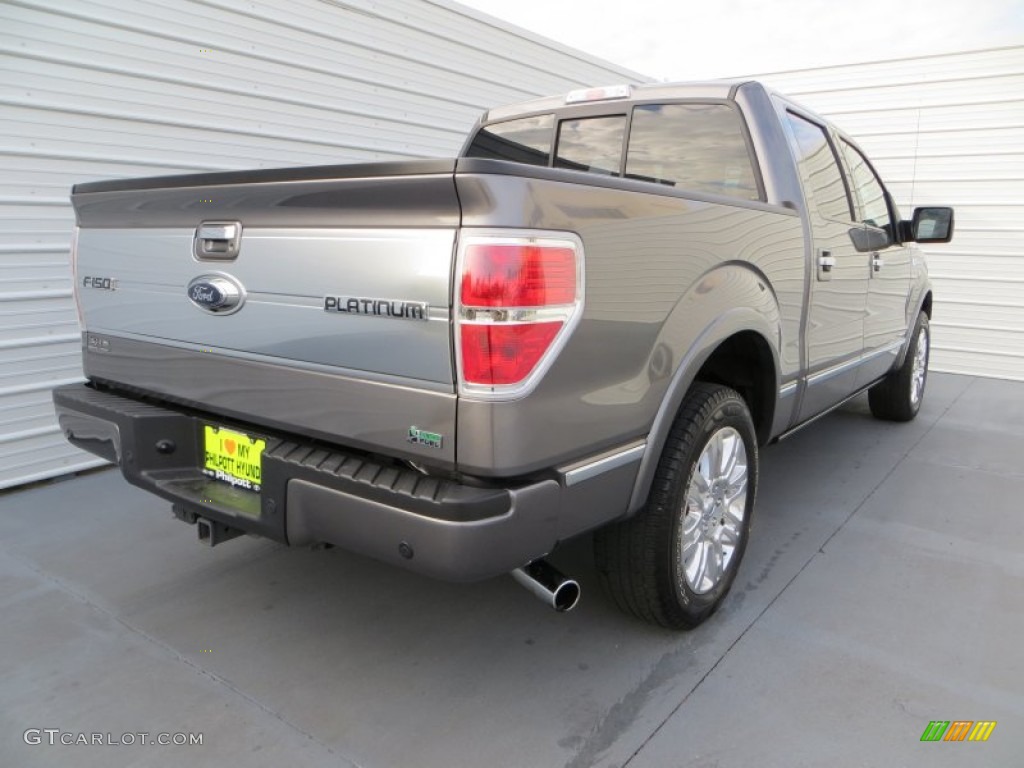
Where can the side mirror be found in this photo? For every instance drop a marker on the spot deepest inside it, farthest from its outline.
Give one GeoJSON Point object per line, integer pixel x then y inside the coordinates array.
{"type": "Point", "coordinates": [868, 239]}
{"type": "Point", "coordinates": [932, 225]}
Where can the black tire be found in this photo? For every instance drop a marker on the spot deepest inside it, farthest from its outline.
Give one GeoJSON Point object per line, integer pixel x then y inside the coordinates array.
{"type": "Point", "coordinates": [640, 560]}
{"type": "Point", "coordinates": [898, 396]}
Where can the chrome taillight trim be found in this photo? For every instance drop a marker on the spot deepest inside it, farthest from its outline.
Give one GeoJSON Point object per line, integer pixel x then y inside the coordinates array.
{"type": "Point", "coordinates": [569, 314]}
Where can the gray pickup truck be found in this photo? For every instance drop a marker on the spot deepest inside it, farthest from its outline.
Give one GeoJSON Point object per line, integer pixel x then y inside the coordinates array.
{"type": "Point", "coordinates": [591, 320]}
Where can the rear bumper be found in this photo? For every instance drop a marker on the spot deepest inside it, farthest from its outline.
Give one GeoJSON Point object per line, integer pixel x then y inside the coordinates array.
{"type": "Point", "coordinates": [311, 493]}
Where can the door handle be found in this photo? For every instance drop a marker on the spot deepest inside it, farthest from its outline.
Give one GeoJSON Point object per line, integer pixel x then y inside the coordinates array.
{"type": "Point", "coordinates": [826, 261]}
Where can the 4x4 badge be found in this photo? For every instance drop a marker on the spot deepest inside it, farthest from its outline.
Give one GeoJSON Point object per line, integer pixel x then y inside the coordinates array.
{"type": "Point", "coordinates": [419, 436]}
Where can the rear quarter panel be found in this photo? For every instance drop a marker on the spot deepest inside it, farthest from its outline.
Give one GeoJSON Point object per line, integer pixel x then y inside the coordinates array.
{"type": "Point", "coordinates": [661, 270]}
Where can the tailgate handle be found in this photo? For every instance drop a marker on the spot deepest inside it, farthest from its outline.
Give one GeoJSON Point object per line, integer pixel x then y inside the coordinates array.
{"type": "Point", "coordinates": [217, 240]}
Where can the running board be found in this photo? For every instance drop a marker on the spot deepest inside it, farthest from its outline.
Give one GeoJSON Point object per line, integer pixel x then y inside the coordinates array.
{"type": "Point", "coordinates": [792, 430]}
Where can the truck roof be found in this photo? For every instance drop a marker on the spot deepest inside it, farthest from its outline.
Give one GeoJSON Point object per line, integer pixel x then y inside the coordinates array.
{"type": "Point", "coordinates": [708, 89]}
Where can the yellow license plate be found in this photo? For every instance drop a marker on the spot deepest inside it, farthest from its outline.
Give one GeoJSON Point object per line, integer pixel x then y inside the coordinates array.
{"type": "Point", "coordinates": [233, 457]}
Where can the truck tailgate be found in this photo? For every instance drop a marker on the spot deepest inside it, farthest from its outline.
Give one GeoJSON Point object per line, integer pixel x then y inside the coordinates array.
{"type": "Point", "coordinates": [337, 301]}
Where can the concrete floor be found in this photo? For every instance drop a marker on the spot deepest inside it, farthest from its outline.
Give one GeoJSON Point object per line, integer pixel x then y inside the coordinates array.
{"type": "Point", "coordinates": [883, 588]}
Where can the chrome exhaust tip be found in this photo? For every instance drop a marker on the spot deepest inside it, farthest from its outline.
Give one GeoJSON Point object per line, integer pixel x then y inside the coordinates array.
{"type": "Point", "coordinates": [549, 585]}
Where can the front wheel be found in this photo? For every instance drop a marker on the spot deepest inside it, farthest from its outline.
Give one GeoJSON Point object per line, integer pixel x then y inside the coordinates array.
{"type": "Point", "coordinates": [898, 396]}
{"type": "Point", "coordinates": [673, 562]}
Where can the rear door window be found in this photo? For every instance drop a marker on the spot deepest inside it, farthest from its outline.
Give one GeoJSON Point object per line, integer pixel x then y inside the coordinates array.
{"type": "Point", "coordinates": [701, 147]}
{"type": "Point", "coordinates": [524, 140]}
{"type": "Point", "coordinates": [820, 168]}
{"type": "Point", "coordinates": [591, 144]}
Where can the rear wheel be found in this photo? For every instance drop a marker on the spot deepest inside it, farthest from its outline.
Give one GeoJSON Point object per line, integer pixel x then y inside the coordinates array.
{"type": "Point", "coordinates": [898, 396]}
{"type": "Point", "coordinates": [673, 562]}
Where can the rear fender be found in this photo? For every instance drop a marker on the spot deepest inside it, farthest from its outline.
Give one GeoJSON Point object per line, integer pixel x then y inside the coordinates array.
{"type": "Point", "coordinates": [730, 299]}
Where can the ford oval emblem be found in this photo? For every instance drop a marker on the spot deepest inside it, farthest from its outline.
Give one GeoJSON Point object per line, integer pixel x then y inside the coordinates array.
{"type": "Point", "coordinates": [219, 294]}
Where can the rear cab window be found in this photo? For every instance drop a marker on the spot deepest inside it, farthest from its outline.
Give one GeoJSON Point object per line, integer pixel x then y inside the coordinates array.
{"type": "Point", "coordinates": [691, 146]}
{"type": "Point", "coordinates": [525, 140]}
{"type": "Point", "coordinates": [698, 147]}
{"type": "Point", "coordinates": [591, 144]}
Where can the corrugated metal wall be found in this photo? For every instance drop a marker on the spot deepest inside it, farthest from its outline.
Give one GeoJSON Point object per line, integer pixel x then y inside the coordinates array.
{"type": "Point", "coordinates": [948, 129]}
{"type": "Point", "coordinates": [96, 89]}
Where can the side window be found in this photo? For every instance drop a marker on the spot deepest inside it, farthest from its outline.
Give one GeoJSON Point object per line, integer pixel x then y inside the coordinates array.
{"type": "Point", "coordinates": [693, 146]}
{"type": "Point", "coordinates": [820, 169]}
{"type": "Point", "coordinates": [525, 140]}
{"type": "Point", "coordinates": [591, 144]}
{"type": "Point", "coordinates": [872, 207]}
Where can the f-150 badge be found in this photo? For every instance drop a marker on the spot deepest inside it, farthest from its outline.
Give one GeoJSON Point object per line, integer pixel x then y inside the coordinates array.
{"type": "Point", "coordinates": [100, 283]}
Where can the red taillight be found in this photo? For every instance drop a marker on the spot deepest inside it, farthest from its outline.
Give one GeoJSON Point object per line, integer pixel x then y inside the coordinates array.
{"type": "Point", "coordinates": [504, 354]}
{"type": "Point", "coordinates": [506, 275]}
{"type": "Point", "coordinates": [517, 296]}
